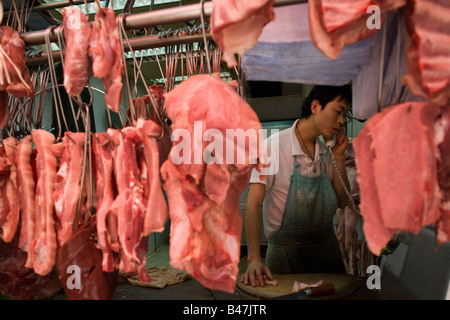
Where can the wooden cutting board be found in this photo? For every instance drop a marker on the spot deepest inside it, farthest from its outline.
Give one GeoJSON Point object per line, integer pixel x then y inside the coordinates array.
{"type": "Point", "coordinates": [343, 283]}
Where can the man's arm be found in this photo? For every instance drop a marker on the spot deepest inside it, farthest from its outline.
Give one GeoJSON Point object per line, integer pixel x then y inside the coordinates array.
{"type": "Point", "coordinates": [256, 269]}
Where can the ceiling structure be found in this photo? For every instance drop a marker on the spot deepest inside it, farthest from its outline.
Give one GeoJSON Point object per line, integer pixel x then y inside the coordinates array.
{"type": "Point", "coordinates": [153, 67]}
{"type": "Point", "coordinates": [152, 62]}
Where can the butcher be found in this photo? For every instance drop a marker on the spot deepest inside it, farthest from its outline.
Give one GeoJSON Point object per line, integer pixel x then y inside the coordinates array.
{"type": "Point", "coordinates": [301, 198]}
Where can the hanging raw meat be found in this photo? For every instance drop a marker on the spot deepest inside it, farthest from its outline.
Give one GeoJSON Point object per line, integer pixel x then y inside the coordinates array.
{"type": "Point", "coordinates": [428, 25]}
{"type": "Point", "coordinates": [336, 23]}
{"type": "Point", "coordinates": [10, 207]}
{"type": "Point", "coordinates": [67, 188]}
{"type": "Point", "coordinates": [129, 205]}
{"type": "Point", "coordinates": [237, 25]}
{"type": "Point", "coordinates": [20, 282]}
{"type": "Point", "coordinates": [156, 211]}
{"type": "Point", "coordinates": [103, 149]}
{"type": "Point", "coordinates": [106, 53]}
{"type": "Point", "coordinates": [203, 197]}
{"type": "Point", "coordinates": [399, 182]}
{"type": "Point", "coordinates": [46, 243]}
{"type": "Point", "coordinates": [157, 114]}
{"type": "Point", "coordinates": [26, 189]}
{"type": "Point", "coordinates": [442, 129]}
{"type": "Point", "coordinates": [81, 251]}
{"type": "Point", "coordinates": [14, 76]}
{"type": "Point", "coordinates": [77, 31]}
{"type": "Point", "coordinates": [137, 110]}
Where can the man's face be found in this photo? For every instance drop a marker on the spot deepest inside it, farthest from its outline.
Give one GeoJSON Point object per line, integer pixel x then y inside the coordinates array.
{"type": "Point", "coordinates": [330, 119]}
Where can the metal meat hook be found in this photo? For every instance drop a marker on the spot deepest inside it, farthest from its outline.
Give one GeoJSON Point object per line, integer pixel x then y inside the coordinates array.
{"type": "Point", "coordinates": [202, 14]}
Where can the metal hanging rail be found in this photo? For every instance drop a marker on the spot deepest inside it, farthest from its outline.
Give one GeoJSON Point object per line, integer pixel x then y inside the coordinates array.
{"type": "Point", "coordinates": [140, 21]}
{"type": "Point", "coordinates": [56, 5]}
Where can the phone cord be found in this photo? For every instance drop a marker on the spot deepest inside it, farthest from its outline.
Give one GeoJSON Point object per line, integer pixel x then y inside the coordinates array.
{"type": "Point", "coordinates": [352, 202]}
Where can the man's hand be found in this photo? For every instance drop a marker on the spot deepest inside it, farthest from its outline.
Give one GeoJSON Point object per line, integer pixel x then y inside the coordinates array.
{"type": "Point", "coordinates": [341, 144]}
{"type": "Point", "coordinates": [257, 274]}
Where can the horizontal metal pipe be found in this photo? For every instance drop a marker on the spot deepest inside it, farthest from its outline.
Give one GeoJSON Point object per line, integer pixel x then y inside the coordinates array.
{"type": "Point", "coordinates": [167, 16]}
{"type": "Point", "coordinates": [142, 43]}
{"type": "Point", "coordinates": [140, 21]}
{"type": "Point", "coordinates": [136, 21]}
{"type": "Point", "coordinates": [151, 18]}
{"type": "Point", "coordinates": [55, 5]}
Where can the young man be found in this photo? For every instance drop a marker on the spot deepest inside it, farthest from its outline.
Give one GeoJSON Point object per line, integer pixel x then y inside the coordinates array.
{"type": "Point", "coordinates": [301, 198]}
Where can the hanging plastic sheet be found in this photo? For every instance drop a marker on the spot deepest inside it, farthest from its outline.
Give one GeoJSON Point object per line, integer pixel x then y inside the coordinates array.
{"type": "Point", "coordinates": [302, 62]}
{"type": "Point", "coordinates": [378, 84]}
{"type": "Point", "coordinates": [291, 56]}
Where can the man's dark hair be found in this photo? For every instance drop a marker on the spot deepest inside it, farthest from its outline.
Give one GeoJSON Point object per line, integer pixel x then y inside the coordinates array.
{"type": "Point", "coordinates": [325, 94]}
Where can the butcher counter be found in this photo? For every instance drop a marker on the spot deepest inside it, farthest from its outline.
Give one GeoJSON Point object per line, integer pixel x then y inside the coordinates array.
{"type": "Point", "coordinates": [191, 289]}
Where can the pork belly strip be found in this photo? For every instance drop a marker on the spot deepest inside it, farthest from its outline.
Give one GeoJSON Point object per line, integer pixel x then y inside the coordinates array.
{"type": "Point", "coordinates": [26, 187]}
{"type": "Point", "coordinates": [129, 204]}
{"type": "Point", "coordinates": [442, 129]}
{"type": "Point", "coordinates": [67, 189]}
{"type": "Point", "coordinates": [156, 210]}
{"type": "Point", "coordinates": [77, 31]}
{"type": "Point", "coordinates": [46, 243]}
{"type": "Point", "coordinates": [104, 177]}
{"type": "Point", "coordinates": [11, 213]}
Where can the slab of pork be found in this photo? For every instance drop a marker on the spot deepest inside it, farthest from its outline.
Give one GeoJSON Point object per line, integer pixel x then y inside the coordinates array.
{"type": "Point", "coordinates": [206, 220]}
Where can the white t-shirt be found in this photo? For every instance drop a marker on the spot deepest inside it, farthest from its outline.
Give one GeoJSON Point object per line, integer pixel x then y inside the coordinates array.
{"type": "Point", "coordinates": [277, 184]}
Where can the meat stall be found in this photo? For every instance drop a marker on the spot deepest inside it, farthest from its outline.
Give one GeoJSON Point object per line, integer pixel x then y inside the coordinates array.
{"type": "Point", "coordinates": [105, 196]}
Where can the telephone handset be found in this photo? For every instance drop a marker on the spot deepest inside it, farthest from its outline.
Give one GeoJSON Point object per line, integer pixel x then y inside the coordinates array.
{"type": "Point", "coordinates": [330, 144]}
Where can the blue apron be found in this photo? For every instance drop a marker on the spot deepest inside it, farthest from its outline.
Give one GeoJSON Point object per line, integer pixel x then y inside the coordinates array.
{"type": "Point", "coordinates": [306, 241]}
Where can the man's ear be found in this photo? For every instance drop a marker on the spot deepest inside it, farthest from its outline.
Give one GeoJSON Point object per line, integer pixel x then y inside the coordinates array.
{"type": "Point", "coordinates": [315, 106]}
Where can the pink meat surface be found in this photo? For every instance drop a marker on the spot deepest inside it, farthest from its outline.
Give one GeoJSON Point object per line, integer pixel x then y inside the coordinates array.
{"type": "Point", "coordinates": [4, 178]}
{"type": "Point", "coordinates": [11, 208]}
{"type": "Point", "coordinates": [14, 75]}
{"type": "Point", "coordinates": [104, 178]}
{"type": "Point", "coordinates": [129, 205]}
{"type": "Point", "coordinates": [67, 189]}
{"type": "Point", "coordinates": [156, 210]}
{"type": "Point", "coordinates": [26, 189]}
{"type": "Point", "coordinates": [203, 197]}
{"type": "Point", "coordinates": [442, 128]}
{"type": "Point", "coordinates": [237, 25]}
{"type": "Point", "coordinates": [46, 242]}
{"type": "Point", "coordinates": [302, 286]}
{"type": "Point", "coordinates": [376, 234]}
{"type": "Point", "coordinates": [156, 106]}
{"type": "Point", "coordinates": [77, 31]}
{"type": "Point", "coordinates": [336, 23]}
{"type": "Point", "coordinates": [106, 53]}
{"type": "Point", "coordinates": [428, 50]}
{"type": "Point", "coordinates": [418, 193]}
{"type": "Point", "coordinates": [399, 181]}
